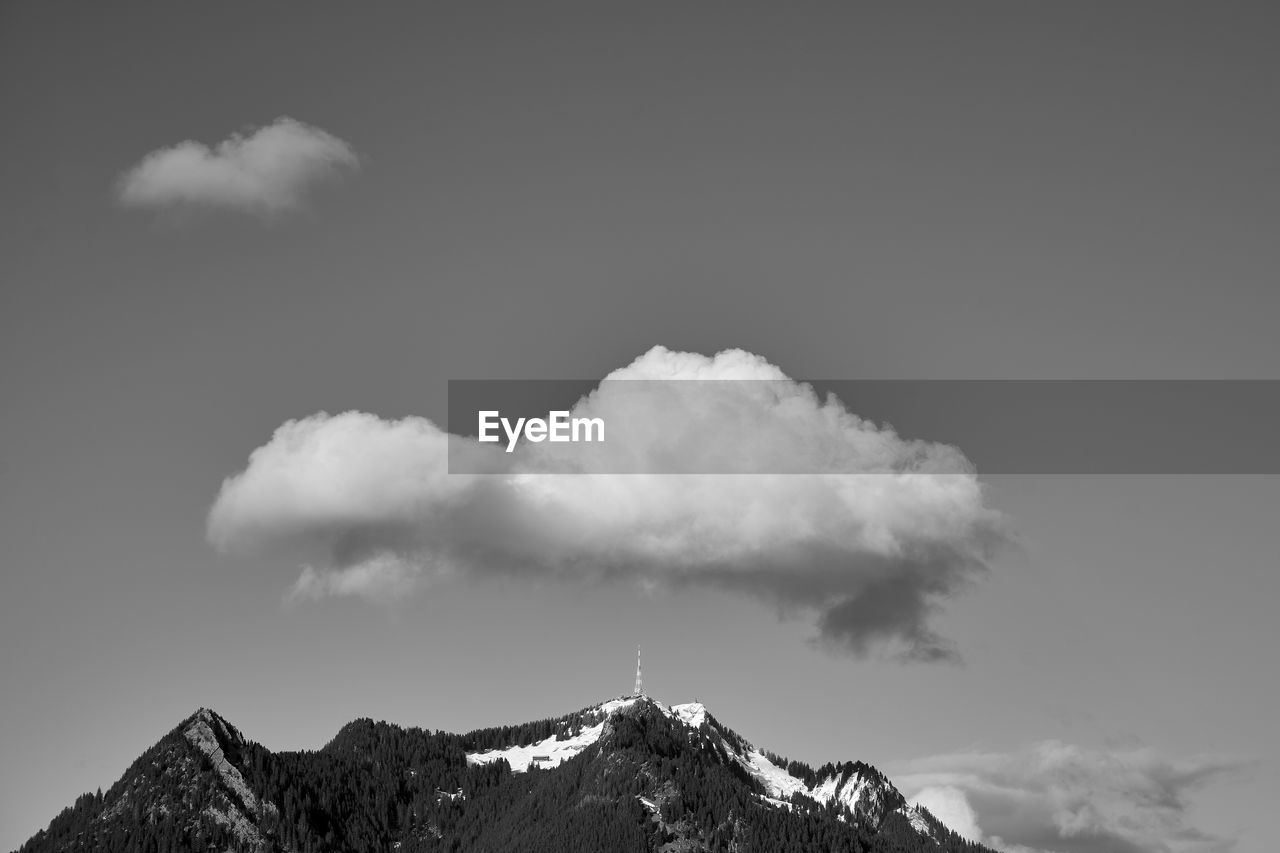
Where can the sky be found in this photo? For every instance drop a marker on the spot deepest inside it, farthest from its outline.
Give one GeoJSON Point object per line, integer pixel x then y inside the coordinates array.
{"type": "Point", "coordinates": [218, 220]}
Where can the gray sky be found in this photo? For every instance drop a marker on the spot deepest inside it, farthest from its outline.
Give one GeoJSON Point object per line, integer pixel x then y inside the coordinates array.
{"type": "Point", "coordinates": [993, 191]}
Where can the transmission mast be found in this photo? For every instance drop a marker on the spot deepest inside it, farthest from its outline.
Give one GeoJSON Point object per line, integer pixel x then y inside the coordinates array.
{"type": "Point", "coordinates": [639, 691]}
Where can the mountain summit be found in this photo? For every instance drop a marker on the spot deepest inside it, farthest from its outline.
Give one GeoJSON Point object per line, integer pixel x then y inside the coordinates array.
{"type": "Point", "coordinates": [629, 774]}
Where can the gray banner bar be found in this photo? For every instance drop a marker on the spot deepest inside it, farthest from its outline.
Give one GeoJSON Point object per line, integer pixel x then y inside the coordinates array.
{"type": "Point", "coordinates": [1000, 426]}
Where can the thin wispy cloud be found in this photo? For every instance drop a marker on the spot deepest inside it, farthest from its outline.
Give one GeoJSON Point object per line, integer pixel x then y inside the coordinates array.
{"type": "Point", "coordinates": [265, 171]}
{"type": "Point", "coordinates": [369, 505]}
{"type": "Point", "coordinates": [1054, 797]}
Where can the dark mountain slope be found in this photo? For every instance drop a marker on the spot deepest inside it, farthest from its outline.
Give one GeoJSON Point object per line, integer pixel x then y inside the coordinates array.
{"type": "Point", "coordinates": [627, 775]}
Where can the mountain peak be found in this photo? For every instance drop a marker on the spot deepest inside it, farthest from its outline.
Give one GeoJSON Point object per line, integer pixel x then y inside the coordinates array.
{"type": "Point", "coordinates": [206, 726]}
{"type": "Point", "coordinates": [855, 786]}
{"type": "Point", "coordinates": [203, 716]}
{"type": "Point", "coordinates": [629, 773]}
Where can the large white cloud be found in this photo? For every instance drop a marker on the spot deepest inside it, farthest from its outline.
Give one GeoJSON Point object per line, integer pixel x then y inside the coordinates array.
{"type": "Point", "coordinates": [371, 508]}
{"type": "Point", "coordinates": [267, 171]}
{"type": "Point", "coordinates": [1054, 797]}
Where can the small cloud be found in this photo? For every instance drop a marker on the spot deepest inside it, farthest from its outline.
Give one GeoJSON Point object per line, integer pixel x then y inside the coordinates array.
{"type": "Point", "coordinates": [1059, 798]}
{"type": "Point", "coordinates": [267, 171]}
{"type": "Point", "coordinates": [382, 577]}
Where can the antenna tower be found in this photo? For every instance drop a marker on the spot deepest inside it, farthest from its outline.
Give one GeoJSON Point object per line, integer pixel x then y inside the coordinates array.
{"type": "Point", "coordinates": [639, 691]}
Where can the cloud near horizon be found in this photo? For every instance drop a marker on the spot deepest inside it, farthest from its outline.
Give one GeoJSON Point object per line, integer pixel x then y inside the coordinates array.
{"type": "Point", "coordinates": [370, 508]}
{"type": "Point", "coordinates": [1054, 797]}
{"type": "Point", "coordinates": [266, 172]}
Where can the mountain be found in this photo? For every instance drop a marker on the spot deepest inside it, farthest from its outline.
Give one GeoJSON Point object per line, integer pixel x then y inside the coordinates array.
{"type": "Point", "coordinates": [630, 774]}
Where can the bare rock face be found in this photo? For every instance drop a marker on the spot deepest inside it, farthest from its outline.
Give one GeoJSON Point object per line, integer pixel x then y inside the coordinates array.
{"type": "Point", "coordinates": [201, 734]}
{"type": "Point", "coordinates": [242, 812]}
{"type": "Point", "coordinates": [188, 776]}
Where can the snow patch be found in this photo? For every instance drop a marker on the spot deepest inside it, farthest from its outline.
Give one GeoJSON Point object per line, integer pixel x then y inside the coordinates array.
{"type": "Point", "coordinates": [773, 801]}
{"type": "Point", "coordinates": [551, 752]}
{"type": "Point", "coordinates": [692, 714]}
{"type": "Point", "coordinates": [776, 780]}
{"type": "Point", "coordinates": [862, 795]}
{"type": "Point", "coordinates": [615, 705]}
{"type": "Point", "coordinates": [918, 823]}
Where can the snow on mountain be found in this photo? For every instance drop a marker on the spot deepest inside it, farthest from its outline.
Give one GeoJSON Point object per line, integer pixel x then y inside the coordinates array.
{"type": "Point", "coordinates": [862, 791]}
{"type": "Point", "coordinates": [552, 752]}
{"type": "Point", "coordinates": [856, 787]}
{"type": "Point", "coordinates": [545, 753]}
{"type": "Point", "coordinates": [778, 782]}
{"type": "Point", "coordinates": [918, 823]}
{"type": "Point", "coordinates": [692, 714]}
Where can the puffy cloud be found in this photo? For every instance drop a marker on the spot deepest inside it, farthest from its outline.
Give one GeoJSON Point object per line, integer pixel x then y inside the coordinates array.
{"type": "Point", "coordinates": [1060, 798]}
{"type": "Point", "coordinates": [870, 553]}
{"type": "Point", "coordinates": [268, 171]}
